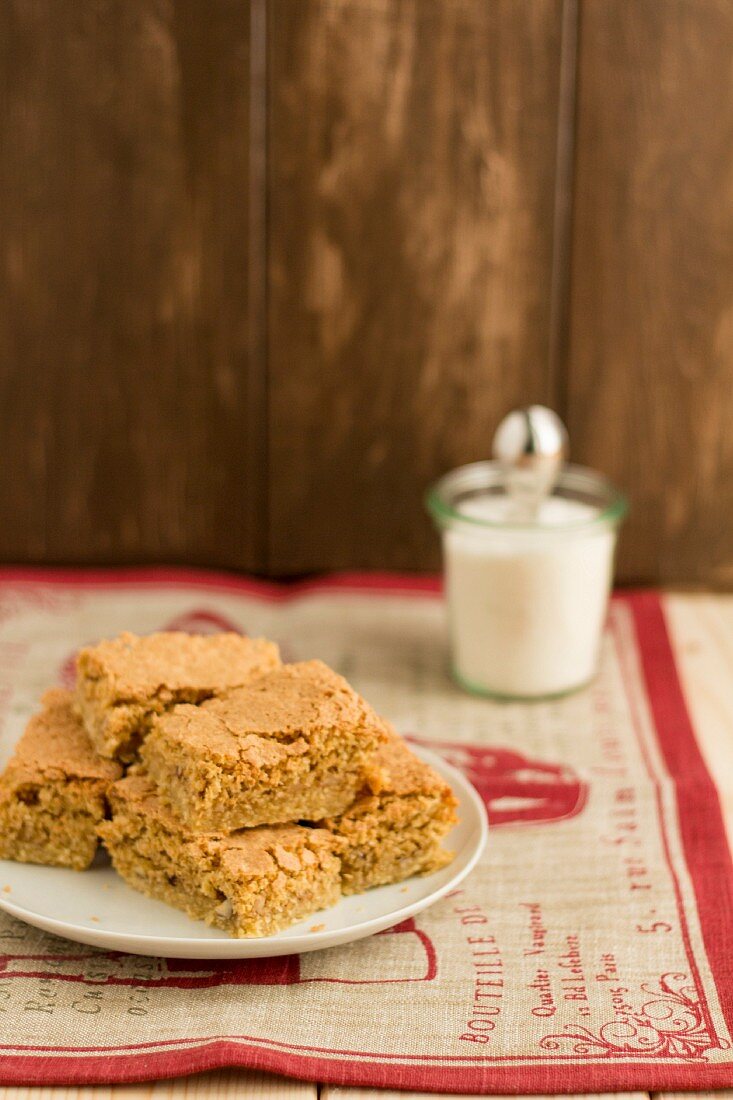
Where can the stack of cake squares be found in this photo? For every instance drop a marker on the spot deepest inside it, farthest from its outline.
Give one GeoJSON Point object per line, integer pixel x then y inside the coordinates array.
{"type": "Point", "coordinates": [247, 792]}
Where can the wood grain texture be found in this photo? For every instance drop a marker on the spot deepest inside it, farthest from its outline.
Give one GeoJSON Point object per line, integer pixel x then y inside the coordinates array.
{"type": "Point", "coordinates": [411, 198]}
{"type": "Point", "coordinates": [717, 1094]}
{"type": "Point", "coordinates": [651, 327]}
{"type": "Point", "coordinates": [331, 1092]}
{"type": "Point", "coordinates": [124, 228]}
{"type": "Point", "coordinates": [187, 376]}
{"type": "Point", "coordinates": [226, 1084]}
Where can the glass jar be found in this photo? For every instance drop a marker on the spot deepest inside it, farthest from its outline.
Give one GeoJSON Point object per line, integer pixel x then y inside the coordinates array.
{"type": "Point", "coordinates": [526, 600]}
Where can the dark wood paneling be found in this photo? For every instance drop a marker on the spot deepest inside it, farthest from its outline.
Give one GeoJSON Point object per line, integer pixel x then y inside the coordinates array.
{"type": "Point", "coordinates": [125, 417]}
{"type": "Point", "coordinates": [177, 383]}
{"type": "Point", "coordinates": [411, 196]}
{"type": "Point", "coordinates": [651, 335]}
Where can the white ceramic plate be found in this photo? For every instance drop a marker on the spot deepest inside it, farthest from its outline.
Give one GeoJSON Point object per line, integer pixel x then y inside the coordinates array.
{"type": "Point", "coordinates": [96, 907]}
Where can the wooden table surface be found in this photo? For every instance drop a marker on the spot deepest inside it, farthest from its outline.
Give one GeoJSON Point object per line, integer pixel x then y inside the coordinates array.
{"type": "Point", "coordinates": [702, 629]}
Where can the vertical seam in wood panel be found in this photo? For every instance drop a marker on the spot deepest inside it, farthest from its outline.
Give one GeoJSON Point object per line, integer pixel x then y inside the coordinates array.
{"type": "Point", "coordinates": [563, 210]}
{"type": "Point", "coordinates": [257, 284]}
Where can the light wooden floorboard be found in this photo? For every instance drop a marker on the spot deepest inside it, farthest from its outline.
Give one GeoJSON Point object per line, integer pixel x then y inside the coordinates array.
{"type": "Point", "coordinates": [329, 1092]}
{"type": "Point", "coordinates": [716, 1094]}
{"type": "Point", "coordinates": [216, 1085]}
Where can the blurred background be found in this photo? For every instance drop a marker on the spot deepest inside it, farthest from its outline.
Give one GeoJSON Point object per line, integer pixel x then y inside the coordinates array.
{"type": "Point", "coordinates": [271, 266]}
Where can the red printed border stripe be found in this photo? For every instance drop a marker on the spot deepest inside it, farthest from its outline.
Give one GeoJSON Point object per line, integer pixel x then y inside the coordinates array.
{"type": "Point", "coordinates": [706, 854]}
{"type": "Point", "coordinates": [173, 577]}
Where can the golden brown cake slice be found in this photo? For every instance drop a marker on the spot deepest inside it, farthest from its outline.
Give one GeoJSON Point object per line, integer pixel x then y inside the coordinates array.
{"type": "Point", "coordinates": [294, 743]}
{"type": "Point", "coordinates": [397, 832]}
{"type": "Point", "coordinates": [52, 793]}
{"type": "Point", "coordinates": [254, 883]}
{"type": "Point", "coordinates": [123, 683]}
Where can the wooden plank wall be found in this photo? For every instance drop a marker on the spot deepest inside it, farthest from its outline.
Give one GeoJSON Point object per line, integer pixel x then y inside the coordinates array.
{"type": "Point", "coordinates": [650, 371]}
{"type": "Point", "coordinates": [124, 329]}
{"type": "Point", "coordinates": [269, 267]}
{"type": "Point", "coordinates": [412, 175]}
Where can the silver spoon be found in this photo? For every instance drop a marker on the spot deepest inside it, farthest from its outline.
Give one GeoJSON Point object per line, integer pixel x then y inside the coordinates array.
{"type": "Point", "coordinates": [531, 444]}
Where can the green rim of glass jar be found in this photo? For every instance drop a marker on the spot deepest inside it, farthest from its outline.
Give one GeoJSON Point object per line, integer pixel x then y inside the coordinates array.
{"type": "Point", "coordinates": [613, 505]}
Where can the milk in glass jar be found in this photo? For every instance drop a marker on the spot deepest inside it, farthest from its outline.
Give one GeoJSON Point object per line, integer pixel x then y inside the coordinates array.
{"type": "Point", "coordinates": [528, 550]}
